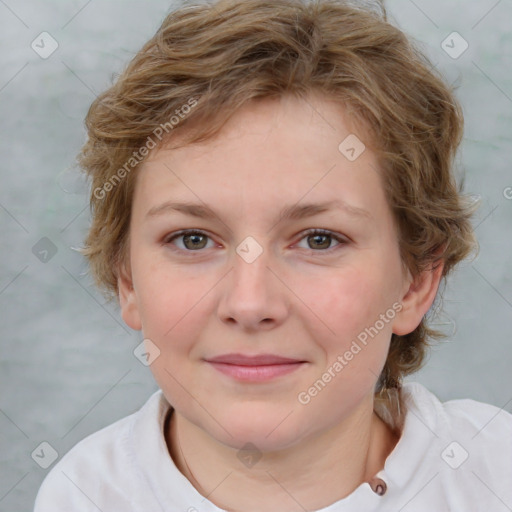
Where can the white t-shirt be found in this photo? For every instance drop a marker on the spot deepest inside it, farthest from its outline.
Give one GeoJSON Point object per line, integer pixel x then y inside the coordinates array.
{"type": "Point", "coordinates": [453, 456]}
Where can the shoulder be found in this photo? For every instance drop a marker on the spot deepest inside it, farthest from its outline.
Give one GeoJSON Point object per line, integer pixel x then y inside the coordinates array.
{"type": "Point", "coordinates": [475, 434]}
{"type": "Point", "coordinates": [98, 469]}
{"type": "Point", "coordinates": [458, 416]}
{"type": "Point", "coordinates": [452, 455]}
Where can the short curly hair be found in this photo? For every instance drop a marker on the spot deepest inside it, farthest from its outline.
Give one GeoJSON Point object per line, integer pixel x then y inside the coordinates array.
{"type": "Point", "coordinates": [218, 56]}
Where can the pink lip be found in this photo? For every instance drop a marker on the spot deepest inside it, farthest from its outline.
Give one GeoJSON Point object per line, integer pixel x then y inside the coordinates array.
{"type": "Point", "coordinates": [259, 360]}
{"type": "Point", "coordinates": [256, 373]}
{"type": "Point", "coordinates": [254, 368]}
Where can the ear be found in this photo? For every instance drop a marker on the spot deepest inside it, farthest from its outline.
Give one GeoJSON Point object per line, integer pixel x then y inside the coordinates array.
{"type": "Point", "coordinates": [128, 297]}
{"type": "Point", "coordinates": [419, 294]}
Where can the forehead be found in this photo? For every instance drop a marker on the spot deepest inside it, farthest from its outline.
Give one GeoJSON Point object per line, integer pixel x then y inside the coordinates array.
{"type": "Point", "coordinates": [317, 116]}
{"type": "Point", "coordinates": [271, 151]}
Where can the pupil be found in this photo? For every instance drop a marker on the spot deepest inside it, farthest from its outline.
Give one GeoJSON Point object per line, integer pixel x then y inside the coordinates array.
{"type": "Point", "coordinates": [193, 238]}
{"type": "Point", "coordinates": [317, 237]}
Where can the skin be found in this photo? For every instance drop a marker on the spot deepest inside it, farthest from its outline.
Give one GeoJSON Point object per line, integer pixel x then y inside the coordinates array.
{"type": "Point", "coordinates": [304, 297]}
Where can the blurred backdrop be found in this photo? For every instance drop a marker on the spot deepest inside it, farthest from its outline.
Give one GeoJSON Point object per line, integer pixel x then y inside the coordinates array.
{"type": "Point", "coordinates": [67, 366]}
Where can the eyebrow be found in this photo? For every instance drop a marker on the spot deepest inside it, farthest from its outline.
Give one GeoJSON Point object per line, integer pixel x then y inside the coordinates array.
{"type": "Point", "coordinates": [292, 212]}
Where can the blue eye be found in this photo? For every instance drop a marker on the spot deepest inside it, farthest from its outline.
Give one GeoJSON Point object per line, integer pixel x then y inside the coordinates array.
{"type": "Point", "coordinates": [195, 240]}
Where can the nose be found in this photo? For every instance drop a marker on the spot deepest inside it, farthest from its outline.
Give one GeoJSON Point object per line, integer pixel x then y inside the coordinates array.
{"type": "Point", "coordinates": [254, 295]}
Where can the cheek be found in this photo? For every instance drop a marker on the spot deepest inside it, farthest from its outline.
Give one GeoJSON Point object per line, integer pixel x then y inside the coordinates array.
{"type": "Point", "coordinates": [351, 306]}
{"type": "Point", "coordinates": [347, 302]}
{"type": "Point", "coordinates": [173, 307]}
{"type": "Point", "coordinates": [356, 353]}
{"type": "Point", "coordinates": [170, 301]}
{"type": "Point", "coordinates": [174, 312]}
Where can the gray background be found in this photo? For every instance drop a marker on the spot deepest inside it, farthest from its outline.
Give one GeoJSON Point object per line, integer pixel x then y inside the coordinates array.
{"type": "Point", "coordinates": [67, 367]}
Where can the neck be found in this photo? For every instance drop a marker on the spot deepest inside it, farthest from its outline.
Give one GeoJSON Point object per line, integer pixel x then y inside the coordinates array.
{"type": "Point", "coordinates": [336, 461]}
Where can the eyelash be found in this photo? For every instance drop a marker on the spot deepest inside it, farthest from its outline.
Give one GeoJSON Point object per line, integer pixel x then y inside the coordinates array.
{"type": "Point", "coordinates": [342, 241]}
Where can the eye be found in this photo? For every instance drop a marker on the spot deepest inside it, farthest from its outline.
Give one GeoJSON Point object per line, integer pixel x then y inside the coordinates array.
{"type": "Point", "coordinates": [321, 239]}
{"type": "Point", "coordinates": [193, 240]}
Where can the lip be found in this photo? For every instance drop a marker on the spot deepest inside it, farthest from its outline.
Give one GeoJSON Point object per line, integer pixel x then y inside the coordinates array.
{"type": "Point", "coordinates": [255, 368]}
{"type": "Point", "coordinates": [256, 360]}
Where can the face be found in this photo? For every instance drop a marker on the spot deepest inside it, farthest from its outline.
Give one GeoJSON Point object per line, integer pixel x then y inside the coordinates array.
{"type": "Point", "coordinates": [251, 280]}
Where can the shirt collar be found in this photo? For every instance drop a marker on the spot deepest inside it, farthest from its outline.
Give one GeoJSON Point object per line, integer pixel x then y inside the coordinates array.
{"type": "Point", "coordinates": [171, 487]}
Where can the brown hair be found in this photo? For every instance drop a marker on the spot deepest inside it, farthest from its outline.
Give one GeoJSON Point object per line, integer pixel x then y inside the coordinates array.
{"type": "Point", "coordinates": [216, 57]}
